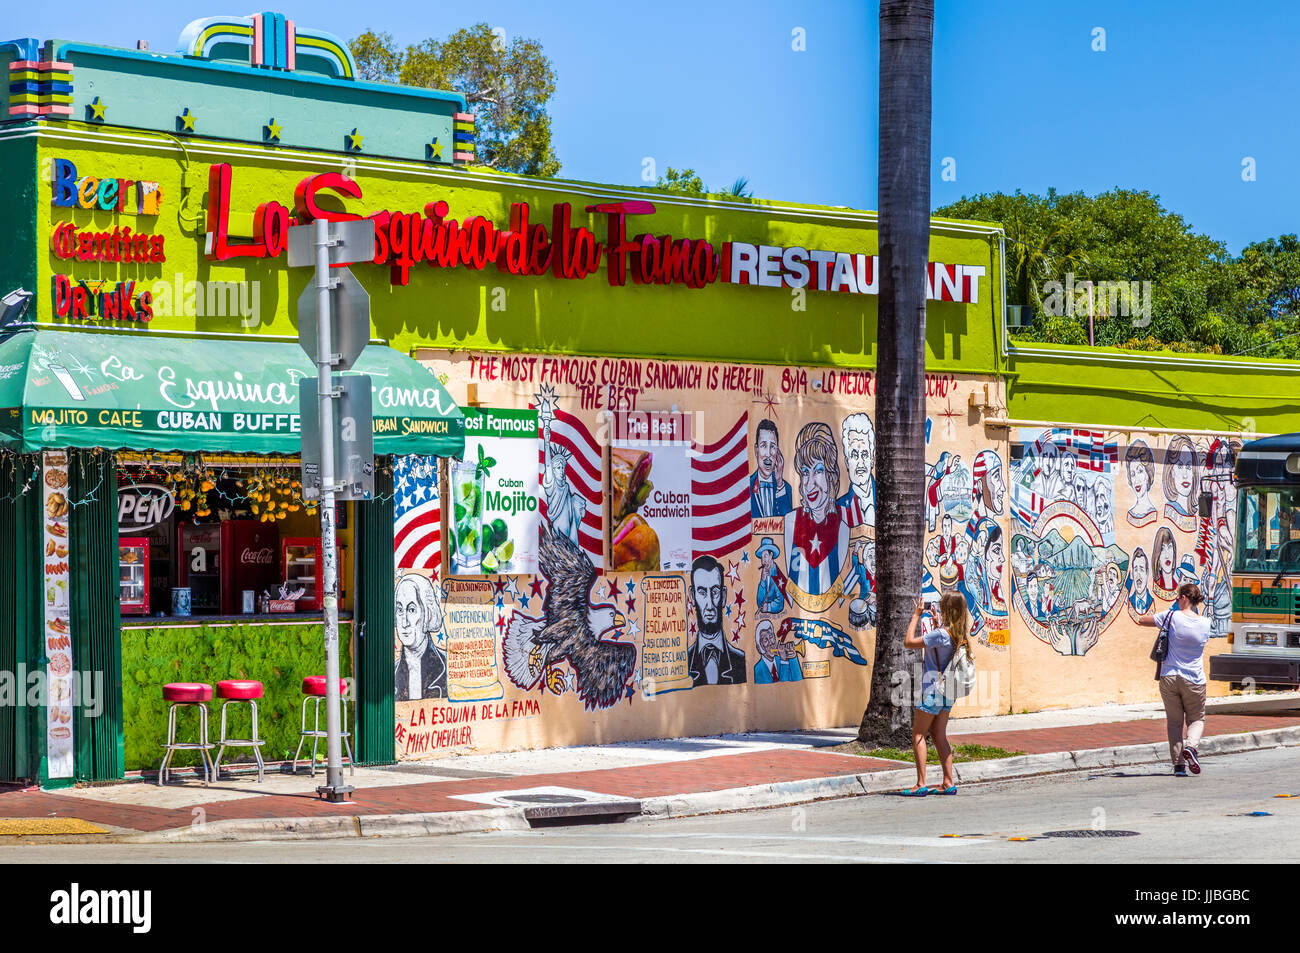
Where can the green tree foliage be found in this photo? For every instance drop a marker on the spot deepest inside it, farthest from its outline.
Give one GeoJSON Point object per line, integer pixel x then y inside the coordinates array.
{"type": "Point", "coordinates": [1202, 298]}
{"type": "Point", "coordinates": [506, 87]}
{"type": "Point", "coordinates": [685, 181]}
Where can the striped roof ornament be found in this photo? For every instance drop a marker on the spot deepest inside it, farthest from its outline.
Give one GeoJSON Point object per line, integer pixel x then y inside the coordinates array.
{"type": "Point", "coordinates": [272, 40]}
{"type": "Point", "coordinates": [40, 88]}
{"type": "Point", "coordinates": [463, 133]}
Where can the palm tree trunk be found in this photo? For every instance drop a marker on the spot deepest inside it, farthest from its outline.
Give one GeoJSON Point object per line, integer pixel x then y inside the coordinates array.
{"type": "Point", "coordinates": [906, 41]}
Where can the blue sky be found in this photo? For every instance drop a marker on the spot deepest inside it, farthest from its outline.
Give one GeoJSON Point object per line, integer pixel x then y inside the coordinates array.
{"type": "Point", "coordinates": [1183, 92]}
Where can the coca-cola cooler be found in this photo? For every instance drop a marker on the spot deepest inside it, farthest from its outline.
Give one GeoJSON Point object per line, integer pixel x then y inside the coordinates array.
{"type": "Point", "coordinates": [250, 552]}
{"type": "Point", "coordinates": [199, 565]}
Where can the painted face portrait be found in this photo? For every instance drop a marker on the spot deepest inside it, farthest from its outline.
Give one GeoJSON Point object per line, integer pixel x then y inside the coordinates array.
{"type": "Point", "coordinates": [813, 486]}
{"type": "Point", "coordinates": [1068, 468]}
{"type": "Point", "coordinates": [995, 488]}
{"type": "Point", "coordinates": [765, 639]}
{"type": "Point", "coordinates": [994, 560]}
{"type": "Point", "coordinates": [1138, 479]}
{"type": "Point", "coordinates": [1140, 572]}
{"type": "Point", "coordinates": [766, 451]}
{"type": "Point", "coordinates": [708, 594]}
{"type": "Point", "coordinates": [858, 459]}
{"type": "Point", "coordinates": [410, 616]}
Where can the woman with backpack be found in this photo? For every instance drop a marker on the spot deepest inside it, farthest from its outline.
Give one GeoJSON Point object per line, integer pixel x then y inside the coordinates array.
{"type": "Point", "coordinates": [930, 716]}
{"type": "Point", "coordinates": [1182, 674]}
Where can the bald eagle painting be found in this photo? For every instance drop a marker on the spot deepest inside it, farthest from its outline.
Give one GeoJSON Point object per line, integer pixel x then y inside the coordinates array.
{"type": "Point", "coordinates": [574, 628]}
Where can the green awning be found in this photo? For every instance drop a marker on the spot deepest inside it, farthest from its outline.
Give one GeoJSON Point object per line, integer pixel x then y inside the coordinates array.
{"type": "Point", "coordinates": [82, 389]}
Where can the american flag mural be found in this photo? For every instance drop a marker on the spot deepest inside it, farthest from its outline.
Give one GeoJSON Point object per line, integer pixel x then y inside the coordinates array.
{"type": "Point", "coordinates": [585, 479]}
{"type": "Point", "coordinates": [417, 513]}
{"type": "Point", "coordinates": [720, 493]}
{"type": "Point", "coordinates": [1090, 449]}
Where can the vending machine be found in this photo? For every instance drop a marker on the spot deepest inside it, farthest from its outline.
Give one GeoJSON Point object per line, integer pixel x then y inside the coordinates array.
{"type": "Point", "coordinates": [302, 569]}
{"type": "Point", "coordinates": [248, 561]}
{"type": "Point", "coordinates": [133, 574]}
{"type": "Point", "coordinates": [199, 554]}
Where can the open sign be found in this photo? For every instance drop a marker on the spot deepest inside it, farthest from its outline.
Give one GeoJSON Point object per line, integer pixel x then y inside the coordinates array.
{"type": "Point", "coordinates": [143, 506]}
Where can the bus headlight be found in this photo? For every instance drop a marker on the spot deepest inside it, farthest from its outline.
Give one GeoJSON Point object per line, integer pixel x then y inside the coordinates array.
{"type": "Point", "coordinates": [1261, 638]}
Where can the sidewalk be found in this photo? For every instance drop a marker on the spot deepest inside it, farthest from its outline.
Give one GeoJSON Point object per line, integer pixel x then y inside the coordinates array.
{"type": "Point", "coordinates": [652, 779]}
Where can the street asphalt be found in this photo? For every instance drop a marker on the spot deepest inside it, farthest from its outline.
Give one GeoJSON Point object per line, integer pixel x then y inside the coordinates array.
{"type": "Point", "coordinates": [1205, 819]}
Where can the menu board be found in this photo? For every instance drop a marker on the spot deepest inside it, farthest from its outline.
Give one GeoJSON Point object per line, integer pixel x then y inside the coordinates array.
{"type": "Point", "coordinates": [650, 491]}
{"type": "Point", "coordinates": [494, 492]}
{"type": "Point", "coordinates": [58, 616]}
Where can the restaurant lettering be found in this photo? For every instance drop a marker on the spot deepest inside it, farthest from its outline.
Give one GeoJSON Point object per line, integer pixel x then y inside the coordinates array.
{"type": "Point", "coordinates": [105, 194]}
{"type": "Point", "coordinates": [111, 301]}
{"type": "Point", "coordinates": [406, 239]}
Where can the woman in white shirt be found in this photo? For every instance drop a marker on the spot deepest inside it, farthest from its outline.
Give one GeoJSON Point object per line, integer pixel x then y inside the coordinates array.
{"type": "Point", "coordinates": [1182, 675]}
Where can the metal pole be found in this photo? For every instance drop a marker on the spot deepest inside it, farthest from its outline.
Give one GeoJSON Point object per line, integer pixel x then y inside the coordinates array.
{"type": "Point", "coordinates": [334, 788]}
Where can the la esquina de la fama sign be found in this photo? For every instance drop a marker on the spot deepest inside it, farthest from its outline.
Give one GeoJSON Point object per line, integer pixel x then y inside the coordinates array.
{"type": "Point", "coordinates": [405, 239]}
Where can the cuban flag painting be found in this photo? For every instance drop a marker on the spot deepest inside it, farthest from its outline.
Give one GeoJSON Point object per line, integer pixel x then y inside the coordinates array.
{"type": "Point", "coordinates": [417, 514]}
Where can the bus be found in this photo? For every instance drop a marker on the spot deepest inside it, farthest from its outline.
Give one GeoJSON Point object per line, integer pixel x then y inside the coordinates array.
{"type": "Point", "coordinates": [1265, 633]}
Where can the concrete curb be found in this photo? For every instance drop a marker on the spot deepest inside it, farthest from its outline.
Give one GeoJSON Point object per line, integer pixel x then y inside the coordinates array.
{"type": "Point", "coordinates": [778, 794]}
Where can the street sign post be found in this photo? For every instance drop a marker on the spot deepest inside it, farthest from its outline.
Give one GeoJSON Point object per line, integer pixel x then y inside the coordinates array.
{"type": "Point", "coordinates": [349, 318]}
{"type": "Point", "coordinates": [354, 439]}
{"type": "Point", "coordinates": [327, 245]}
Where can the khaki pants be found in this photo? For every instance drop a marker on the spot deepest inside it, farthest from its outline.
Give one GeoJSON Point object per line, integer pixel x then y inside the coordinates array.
{"type": "Point", "coordinates": [1184, 701]}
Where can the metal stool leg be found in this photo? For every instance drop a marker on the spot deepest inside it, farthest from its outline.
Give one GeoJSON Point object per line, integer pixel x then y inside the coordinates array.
{"type": "Point", "coordinates": [257, 746]}
{"type": "Point", "coordinates": [302, 733]}
{"type": "Point", "coordinates": [352, 762]}
{"type": "Point", "coordinates": [203, 740]}
{"type": "Point", "coordinates": [221, 750]}
{"type": "Point", "coordinates": [315, 734]}
{"type": "Point", "coordinates": [171, 740]}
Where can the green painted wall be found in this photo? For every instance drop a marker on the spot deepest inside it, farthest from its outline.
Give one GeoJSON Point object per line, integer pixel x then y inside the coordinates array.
{"type": "Point", "coordinates": [1108, 386]}
{"type": "Point", "coordinates": [19, 244]}
{"type": "Point", "coordinates": [459, 308]}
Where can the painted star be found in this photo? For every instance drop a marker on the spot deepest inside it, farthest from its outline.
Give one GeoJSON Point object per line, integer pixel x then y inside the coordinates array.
{"type": "Point", "coordinates": [80, 366]}
{"type": "Point", "coordinates": [733, 571]}
{"type": "Point", "coordinates": [613, 590]}
{"type": "Point", "coordinates": [271, 131]}
{"type": "Point", "coordinates": [633, 630]}
{"type": "Point", "coordinates": [433, 150]}
{"type": "Point", "coordinates": [631, 587]}
{"type": "Point", "coordinates": [740, 620]}
{"type": "Point", "coordinates": [96, 110]}
{"type": "Point", "coordinates": [816, 546]}
{"type": "Point", "coordinates": [536, 586]}
{"type": "Point", "coordinates": [187, 120]}
{"type": "Point", "coordinates": [630, 693]}
{"type": "Point", "coordinates": [354, 140]}
{"type": "Point", "coordinates": [501, 602]}
{"type": "Point", "coordinates": [631, 605]}
{"type": "Point", "coordinates": [512, 589]}
{"type": "Point", "coordinates": [501, 623]}
{"type": "Point", "coordinates": [769, 405]}
{"type": "Point", "coordinates": [740, 597]}
{"type": "Point", "coordinates": [728, 611]}
{"type": "Point", "coordinates": [744, 556]}
{"type": "Point", "coordinates": [499, 585]}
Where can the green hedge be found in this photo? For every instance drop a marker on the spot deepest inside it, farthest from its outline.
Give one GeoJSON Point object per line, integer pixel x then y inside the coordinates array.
{"type": "Point", "coordinates": [277, 656]}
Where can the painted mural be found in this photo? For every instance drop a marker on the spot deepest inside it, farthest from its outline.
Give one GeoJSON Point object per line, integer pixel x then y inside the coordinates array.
{"type": "Point", "coordinates": [703, 528]}
{"type": "Point", "coordinates": [1070, 573]}
{"type": "Point", "coordinates": [708, 531]}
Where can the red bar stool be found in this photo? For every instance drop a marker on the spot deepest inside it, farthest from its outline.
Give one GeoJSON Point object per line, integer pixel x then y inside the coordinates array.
{"type": "Point", "coordinates": [182, 694]}
{"type": "Point", "coordinates": [313, 689]}
{"type": "Point", "coordinates": [235, 692]}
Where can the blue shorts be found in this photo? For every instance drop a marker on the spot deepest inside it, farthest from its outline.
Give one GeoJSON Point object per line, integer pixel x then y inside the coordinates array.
{"type": "Point", "coordinates": [933, 702]}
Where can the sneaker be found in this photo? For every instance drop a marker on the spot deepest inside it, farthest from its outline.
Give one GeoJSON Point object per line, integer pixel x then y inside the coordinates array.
{"type": "Point", "coordinates": [1193, 762]}
{"type": "Point", "coordinates": [1180, 771]}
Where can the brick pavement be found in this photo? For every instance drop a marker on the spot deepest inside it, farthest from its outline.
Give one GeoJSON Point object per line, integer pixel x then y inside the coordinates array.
{"type": "Point", "coordinates": [715, 773]}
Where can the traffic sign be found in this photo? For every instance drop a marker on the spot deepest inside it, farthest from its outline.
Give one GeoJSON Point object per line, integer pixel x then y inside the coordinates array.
{"type": "Point", "coordinates": [349, 318]}
{"type": "Point", "coordinates": [349, 242]}
{"type": "Point", "coordinates": [354, 438]}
